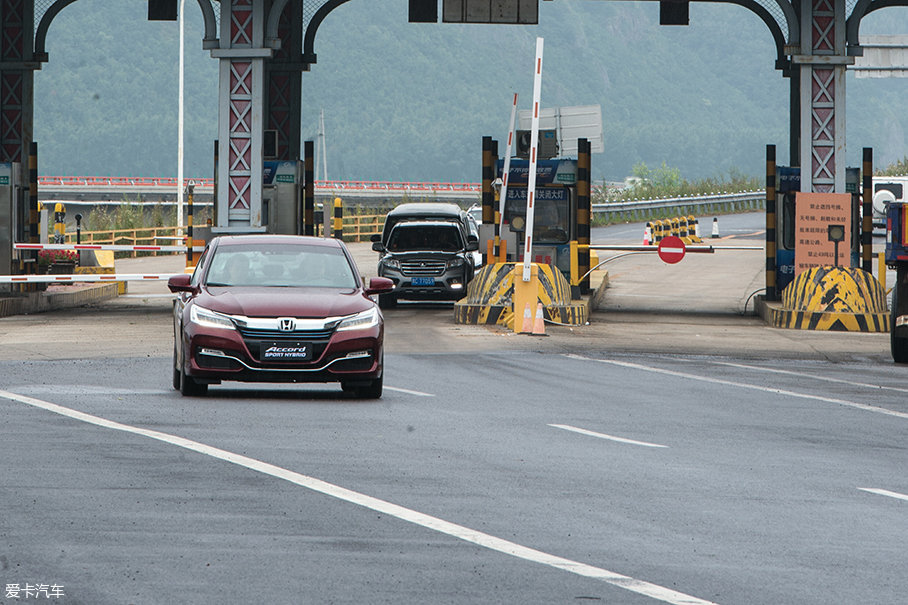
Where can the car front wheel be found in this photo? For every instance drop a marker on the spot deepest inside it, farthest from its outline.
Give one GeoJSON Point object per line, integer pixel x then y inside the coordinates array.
{"type": "Point", "coordinates": [189, 387]}
{"type": "Point", "coordinates": [898, 344]}
{"type": "Point", "coordinates": [372, 390]}
{"type": "Point", "coordinates": [176, 371]}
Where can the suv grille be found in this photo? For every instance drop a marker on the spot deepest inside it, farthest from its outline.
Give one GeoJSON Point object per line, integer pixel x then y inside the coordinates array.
{"type": "Point", "coordinates": [426, 267]}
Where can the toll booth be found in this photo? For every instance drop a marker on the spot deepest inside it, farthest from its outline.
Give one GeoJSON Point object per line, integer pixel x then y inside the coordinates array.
{"type": "Point", "coordinates": [555, 215]}
{"type": "Point", "coordinates": [13, 215]}
{"type": "Point", "coordinates": [787, 217]}
{"type": "Point", "coordinates": [282, 197]}
{"type": "Point", "coordinates": [282, 202]}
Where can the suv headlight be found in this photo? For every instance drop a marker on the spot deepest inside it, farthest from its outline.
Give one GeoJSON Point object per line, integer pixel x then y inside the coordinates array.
{"type": "Point", "coordinates": [210, 319]}
{"type": "Point", "coordinates": [391, 263]}
{"type": "Point", "coordinates": [454, 263]}
{"type": "Point", "coordinates": [360, 321]}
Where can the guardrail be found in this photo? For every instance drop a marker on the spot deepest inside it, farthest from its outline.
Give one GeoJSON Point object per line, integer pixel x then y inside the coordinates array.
{"type": "Point", "coordinates": [148, 236]}
{"type": "Point", "coordinates": [330, 185]}
{"type": "Point", "coordinates": [643, 210]}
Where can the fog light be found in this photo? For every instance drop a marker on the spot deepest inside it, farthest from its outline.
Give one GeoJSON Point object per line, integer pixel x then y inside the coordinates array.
{"type": "Point", "coordinates": [212, 352]}
{"type": "Point", "coordinates": [456, 286]}
{"type": "Point", "coordinates": [359, 354]}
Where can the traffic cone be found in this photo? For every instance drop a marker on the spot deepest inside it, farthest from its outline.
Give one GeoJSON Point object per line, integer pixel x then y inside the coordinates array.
{"type": "Point", "coordinates": [715, 227]}
{"type": "Point", "coordinates": [527, 325]}
{"type": "Point", "coordinates": [539, 324]}
{"type": "Point", "coordinates": [647, 238]}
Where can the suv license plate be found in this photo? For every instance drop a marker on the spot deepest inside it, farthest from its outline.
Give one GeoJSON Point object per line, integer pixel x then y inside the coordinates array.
{"type": "Point", "coordinates": [286, 351]}
{"type": "Point", "coordinates": [423, 281]}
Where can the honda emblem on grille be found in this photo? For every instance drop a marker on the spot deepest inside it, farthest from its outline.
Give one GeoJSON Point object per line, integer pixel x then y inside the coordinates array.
{"type": "Point", "coordinates": [287, 324]}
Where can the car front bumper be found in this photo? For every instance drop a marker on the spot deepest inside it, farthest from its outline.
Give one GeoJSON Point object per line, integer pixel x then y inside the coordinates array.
{"type": "Point", "coordinates": [214, 355]}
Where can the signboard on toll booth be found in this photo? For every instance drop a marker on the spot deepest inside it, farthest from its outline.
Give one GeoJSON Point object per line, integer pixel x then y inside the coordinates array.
{"type": "Point", "coordinates": [548, 172]}
{"type": "Point", "coordinates": [814, 213]}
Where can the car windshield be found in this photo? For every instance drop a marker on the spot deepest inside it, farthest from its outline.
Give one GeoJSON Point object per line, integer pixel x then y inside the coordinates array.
{"type": "Point", "coordinates": [280, 266]}
{"type": "Point", "coordinates": [409, 238]}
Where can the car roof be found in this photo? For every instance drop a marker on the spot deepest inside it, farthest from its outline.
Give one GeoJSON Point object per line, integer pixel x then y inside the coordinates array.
{"type": "Point", "coordinates": [426, 208]}
{"type": "Point", "coordinates": [268, 238]}
{"type": "Point", "coordinates": [424, 223]}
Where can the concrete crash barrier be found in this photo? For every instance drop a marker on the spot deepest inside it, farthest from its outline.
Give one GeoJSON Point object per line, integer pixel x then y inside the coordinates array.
{"type": "Point", "coordinates": [489, 298]}
{"type": "Point", "coordinates": [832, 298]}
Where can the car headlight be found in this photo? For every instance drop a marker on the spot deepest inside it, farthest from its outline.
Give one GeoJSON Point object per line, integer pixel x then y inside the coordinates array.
{"type": "Point", "coordinates": [454, 263]}
{"type": "Point", "coordinates": [392, 264]}
{"type": "Point", "coordinates": [209, 319]}
{"type": "Point", "coordinates": [360, 321]}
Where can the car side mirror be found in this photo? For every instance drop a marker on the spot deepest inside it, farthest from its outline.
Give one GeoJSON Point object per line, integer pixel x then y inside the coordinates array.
{"type": "Point", "coordinates": [377, 246]}
{"type": "Point", "coordinates": [180, 283]}
{"type": "Point", "coordinates": [379, 285]}
{"type": "Point", "coordinates": [472, 246]}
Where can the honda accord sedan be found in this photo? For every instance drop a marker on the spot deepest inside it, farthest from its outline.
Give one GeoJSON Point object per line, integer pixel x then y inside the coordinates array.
{"type": "Point", "coordinates": [277, 308]}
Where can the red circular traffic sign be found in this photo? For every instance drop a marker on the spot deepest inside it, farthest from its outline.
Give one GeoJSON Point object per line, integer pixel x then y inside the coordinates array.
{"type": "Point", "coordinates": [671, 249]}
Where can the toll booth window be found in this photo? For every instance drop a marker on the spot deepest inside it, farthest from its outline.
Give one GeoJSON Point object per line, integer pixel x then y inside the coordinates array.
{"type": "Point", "coordinates": [787, 228]}
{"type": "Point", "coordinates": [552, 217]}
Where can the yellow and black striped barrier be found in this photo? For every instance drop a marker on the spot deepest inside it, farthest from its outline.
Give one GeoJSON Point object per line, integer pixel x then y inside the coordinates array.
{"type": "Point", "coordinates": [338, 226]}
{"type": "Point", "coordinates": [841, 299]}
{"type": "Point", "coordinates": [685, 227]}
{"type": "Point", "coordinates": [489, 298]}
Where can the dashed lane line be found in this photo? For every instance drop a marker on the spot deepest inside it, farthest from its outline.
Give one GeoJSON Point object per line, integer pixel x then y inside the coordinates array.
{"type": "Point", "coordinates": [460, 532]}
{"type": "Point", "coordinates": [743, 385]}
{"type": "Point", "coordinates": [409, 392]}
{"type": "Point", "coordinates": [884, 492]}
{"type": "Point", "coordinates": [810, 376]}
{"type": "Point", "coordinates": [574, 429]}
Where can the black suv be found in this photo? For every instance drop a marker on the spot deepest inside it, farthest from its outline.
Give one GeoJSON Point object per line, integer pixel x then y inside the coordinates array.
{"type": "Point", "coordinates": [427, 251]}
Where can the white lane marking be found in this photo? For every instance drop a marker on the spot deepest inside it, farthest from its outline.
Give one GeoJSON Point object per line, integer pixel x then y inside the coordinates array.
{"type": "Point", "coordinates": [884, 492]}
{"type": "Point", "coordinates": [409, 392]}
{"type": "Point", "coordinates": [84, 389]}
{"type": "Point", "coordinates": [810, 376]}
{"type": "Point", "coordinates": [574, 429]}
{"type": "Point", "coordinates": [743, 385]}
{"type": "Point", "coordinates": [466, 534]}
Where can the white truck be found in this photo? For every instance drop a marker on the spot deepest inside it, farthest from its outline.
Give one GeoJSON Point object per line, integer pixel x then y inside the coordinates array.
{"type": "Point", "coordinates": [886, 190]}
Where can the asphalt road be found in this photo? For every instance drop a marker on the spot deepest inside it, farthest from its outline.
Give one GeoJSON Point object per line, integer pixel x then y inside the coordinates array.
{"type": "Point", "coordinates": [513, 477]}
{"type": "Point", "coordinates": [670, 452]}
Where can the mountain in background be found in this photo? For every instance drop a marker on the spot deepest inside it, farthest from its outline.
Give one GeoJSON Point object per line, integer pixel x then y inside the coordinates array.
{"type": "Point", "coordinates": [411, 102]}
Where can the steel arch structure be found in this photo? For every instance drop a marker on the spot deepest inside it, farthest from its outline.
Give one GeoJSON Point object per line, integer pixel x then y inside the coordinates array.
{"type": "Point", "coordinates": [263, 47]}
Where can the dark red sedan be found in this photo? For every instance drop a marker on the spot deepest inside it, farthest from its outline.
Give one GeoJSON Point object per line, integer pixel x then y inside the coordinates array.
{"type": "Point", "coordinates": [277, 308]}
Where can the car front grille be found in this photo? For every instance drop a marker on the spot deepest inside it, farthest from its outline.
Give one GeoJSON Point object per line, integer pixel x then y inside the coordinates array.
{"type": "Point", "coordinates": [257, 339]}
{"type": "Point", "coordinates": [420, 268]}
{"type": "Point", "coordinates": [270, 334]}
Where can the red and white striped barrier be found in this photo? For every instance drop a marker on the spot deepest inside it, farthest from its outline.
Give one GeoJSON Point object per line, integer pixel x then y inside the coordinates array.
{"type": "Point", "coordinates": [114, 247]}
{"type": "Point", "coordinates": [105, 277]}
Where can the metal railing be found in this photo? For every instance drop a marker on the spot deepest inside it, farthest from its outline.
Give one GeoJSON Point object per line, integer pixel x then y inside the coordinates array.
{"type": "Point", "coordinates": [643, 210]}
{"type": "Point", "coordinates": [149, 236]}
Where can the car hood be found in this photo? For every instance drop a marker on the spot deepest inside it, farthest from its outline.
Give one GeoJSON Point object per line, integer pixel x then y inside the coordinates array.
{"type": "Point", "coordinates": [284, 302]}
